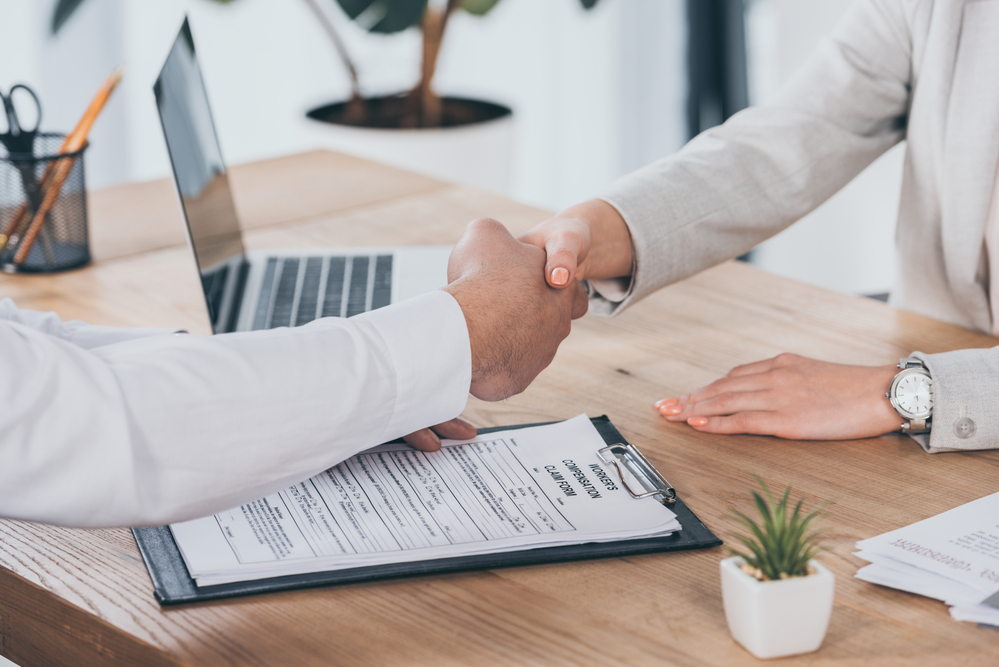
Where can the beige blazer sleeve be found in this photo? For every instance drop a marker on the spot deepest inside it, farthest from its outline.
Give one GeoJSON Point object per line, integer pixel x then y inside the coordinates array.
{"type": "Point", "coordinates": [742, 182]}
{"type": "Point", "coordinates": [965, 393]}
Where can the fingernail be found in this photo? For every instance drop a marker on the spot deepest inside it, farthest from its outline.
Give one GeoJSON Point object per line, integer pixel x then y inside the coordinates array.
{"type": "Point", "coordinates": [698, 421]}
{"type": "Point", "coordinates": [560, 276]}
{"type": "Point", "coordinates": [665, 401]}
{"type": "Point", "coordinates": [671, 409]}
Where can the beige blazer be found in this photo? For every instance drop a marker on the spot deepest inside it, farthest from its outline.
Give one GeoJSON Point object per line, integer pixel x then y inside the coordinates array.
{"type": "Point", "coordinates": [923, 71]}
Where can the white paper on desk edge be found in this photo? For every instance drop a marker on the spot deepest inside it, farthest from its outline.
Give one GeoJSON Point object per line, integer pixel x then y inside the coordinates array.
{"type": "Point", "coordinates": [960, 544]}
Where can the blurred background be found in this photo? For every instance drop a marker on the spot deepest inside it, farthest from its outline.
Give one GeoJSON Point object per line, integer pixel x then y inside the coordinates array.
{"type": "Point", "coordinates": [596, 93]}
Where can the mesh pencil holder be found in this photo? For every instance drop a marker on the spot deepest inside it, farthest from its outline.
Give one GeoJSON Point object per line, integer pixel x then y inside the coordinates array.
{"type": "Point", "coordinates": [43, 229]}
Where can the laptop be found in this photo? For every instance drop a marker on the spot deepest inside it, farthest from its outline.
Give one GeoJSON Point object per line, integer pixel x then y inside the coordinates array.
{"type": "Point", "coordinates": [263, 290]}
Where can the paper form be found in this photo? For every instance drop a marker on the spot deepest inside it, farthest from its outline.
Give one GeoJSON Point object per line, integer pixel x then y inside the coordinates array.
{"type": "Point", "coordinates": [953, 557]}
{"type": "Point", "coordinates": [503, 491]}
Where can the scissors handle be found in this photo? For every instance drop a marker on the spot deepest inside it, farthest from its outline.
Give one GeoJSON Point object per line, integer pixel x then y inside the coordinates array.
{"type": "Point", "coordinates": [13, 117]}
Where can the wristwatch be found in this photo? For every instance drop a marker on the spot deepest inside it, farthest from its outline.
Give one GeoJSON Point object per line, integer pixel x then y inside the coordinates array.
{"type": "Point", "coordinates": [911, 394]}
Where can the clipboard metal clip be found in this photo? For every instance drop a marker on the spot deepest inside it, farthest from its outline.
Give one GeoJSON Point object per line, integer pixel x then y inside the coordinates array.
{"type": "Point", "coordinates": [627, 458]}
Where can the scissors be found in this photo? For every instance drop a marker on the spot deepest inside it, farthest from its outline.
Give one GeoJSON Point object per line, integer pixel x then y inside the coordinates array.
{"type": "Point", "coordinates": [18, 138]}
{"type": "Point", "coordinates": [19, 141]}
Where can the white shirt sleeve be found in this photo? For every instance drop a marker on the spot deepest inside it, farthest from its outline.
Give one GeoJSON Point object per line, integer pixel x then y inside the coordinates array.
{"type": "Point", "coordinates": [76, 332]}
{"type": "Point", "coordinates": [156, 428]}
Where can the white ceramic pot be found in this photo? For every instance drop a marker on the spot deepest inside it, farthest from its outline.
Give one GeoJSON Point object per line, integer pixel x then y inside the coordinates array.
{"type": "Point", "coordinates": [777, 618]}
{"type": "Point", "coordinates": [479, 155]}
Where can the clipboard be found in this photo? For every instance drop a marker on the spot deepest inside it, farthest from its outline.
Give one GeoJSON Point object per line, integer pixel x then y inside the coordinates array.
{"type": "Point", "coordinates": [173, 584]}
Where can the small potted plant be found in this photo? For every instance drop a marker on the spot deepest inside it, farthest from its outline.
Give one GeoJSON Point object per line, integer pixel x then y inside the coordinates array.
{"type": "Point", "coordinates": [778, 599]}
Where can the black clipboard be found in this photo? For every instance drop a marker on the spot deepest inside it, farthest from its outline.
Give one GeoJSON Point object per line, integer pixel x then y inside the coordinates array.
{"type": "Point", "coordinates": [173, 584]}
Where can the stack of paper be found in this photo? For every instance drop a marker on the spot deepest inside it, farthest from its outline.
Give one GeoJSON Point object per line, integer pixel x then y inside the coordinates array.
{"type": "Point", "coordinates": [953, 557]}
{"type": "Point", "coordinates": [505, 491]}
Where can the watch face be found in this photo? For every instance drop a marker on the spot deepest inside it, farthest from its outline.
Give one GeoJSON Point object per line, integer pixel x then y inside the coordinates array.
{"type": "Point", "coordinates": [914, 394]}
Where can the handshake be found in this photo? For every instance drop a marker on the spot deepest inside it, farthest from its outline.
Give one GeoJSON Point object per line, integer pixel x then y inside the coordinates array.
{"type": "Point", "coordinates": [515, 319]}
{"type": "Point", "coordinates": [519, 297]}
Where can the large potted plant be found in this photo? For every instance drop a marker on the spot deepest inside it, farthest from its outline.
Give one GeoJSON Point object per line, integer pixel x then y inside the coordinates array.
{"type": "Point", "coordinates": [778, 598]}
{"type": "Point", "coordinates": [456, 138]}
{"type": "Point", "coordinates": [420, 106]}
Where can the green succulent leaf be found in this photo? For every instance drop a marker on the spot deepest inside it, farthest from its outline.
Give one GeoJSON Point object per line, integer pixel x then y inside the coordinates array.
{"type": "Point", "coordinates": [780, 543]}
{"type": "Point", "coordinates": [478, 7]}
{"type": "Point", "coordinates": [588, 4]}
{"type": "Point", "coordinates": [384, 16]}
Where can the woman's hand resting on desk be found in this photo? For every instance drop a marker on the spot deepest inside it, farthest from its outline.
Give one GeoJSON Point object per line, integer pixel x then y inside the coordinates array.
{"type": "Point", "coordinates": [793, 397]}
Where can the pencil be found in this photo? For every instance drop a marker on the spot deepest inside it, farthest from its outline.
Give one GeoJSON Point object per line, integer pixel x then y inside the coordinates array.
{"type": "Point", "coordinates": [58, 170]}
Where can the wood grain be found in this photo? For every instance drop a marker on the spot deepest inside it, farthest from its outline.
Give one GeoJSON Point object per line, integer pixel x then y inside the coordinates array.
{"type": "Point", "coordinates": [84, 597]}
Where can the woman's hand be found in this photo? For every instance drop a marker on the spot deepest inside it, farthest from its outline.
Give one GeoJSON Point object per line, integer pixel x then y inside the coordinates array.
{"type": "Point", "coordinates": [793, 397]}
{"type": "Point", "coordinates": [589, 240]}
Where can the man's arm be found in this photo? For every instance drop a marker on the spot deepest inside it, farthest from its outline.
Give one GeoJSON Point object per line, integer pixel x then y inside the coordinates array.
{"type": "Point", "coordinates": [89, 336]}
{"type": "Point", "coordinates": [169, 427]}
{"type": "Point", "coordinates": [78, 333]}
{"type": "Point", "coordinates": [166, 428]}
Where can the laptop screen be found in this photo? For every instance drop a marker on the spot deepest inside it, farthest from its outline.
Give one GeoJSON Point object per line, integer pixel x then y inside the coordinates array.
{"type": "Point", "coordinates": [200, 175]}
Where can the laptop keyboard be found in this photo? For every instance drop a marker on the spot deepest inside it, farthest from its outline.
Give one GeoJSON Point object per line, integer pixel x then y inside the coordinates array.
{"type": "Point", "coordinates": [297, 290]}
{"type": "Point", "coordinates": [213, 283]}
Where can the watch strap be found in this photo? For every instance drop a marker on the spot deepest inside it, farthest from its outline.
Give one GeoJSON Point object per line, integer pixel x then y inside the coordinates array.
{"type": "Point", "coordinates": [911, 362]}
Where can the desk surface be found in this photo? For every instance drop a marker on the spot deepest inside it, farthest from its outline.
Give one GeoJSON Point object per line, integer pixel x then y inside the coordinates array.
{"type": "Point", "coordinates": [84, 597]}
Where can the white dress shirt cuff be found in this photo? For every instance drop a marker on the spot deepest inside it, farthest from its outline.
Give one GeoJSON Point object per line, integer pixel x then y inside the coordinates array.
{"type": "Point", "coordinates": [429, 360]}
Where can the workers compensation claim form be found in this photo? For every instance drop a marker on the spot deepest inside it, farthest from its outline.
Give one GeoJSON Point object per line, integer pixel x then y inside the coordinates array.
{"type": "Point", "coordinates": [504, 491]}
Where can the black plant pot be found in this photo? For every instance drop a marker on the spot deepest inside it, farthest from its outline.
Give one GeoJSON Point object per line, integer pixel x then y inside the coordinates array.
{"type": "Point", "coordinates": [397, 112]}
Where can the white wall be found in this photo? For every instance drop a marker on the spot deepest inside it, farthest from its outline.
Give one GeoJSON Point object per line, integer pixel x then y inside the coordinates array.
{"type": "Point", "coordinates": [847, 244]}
{"type": "Point", "coordinates": [595, 93]}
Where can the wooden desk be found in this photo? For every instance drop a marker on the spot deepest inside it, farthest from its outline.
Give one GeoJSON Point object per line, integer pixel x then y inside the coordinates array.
{"type": "Point", "coordinates": [83, 596]}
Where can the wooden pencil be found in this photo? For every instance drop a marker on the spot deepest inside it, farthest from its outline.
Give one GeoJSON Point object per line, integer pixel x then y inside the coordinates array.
{"type": "Point", "coordinates": [58, 170]}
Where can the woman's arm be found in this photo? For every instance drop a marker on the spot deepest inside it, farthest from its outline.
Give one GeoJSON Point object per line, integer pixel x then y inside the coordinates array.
{"type": "Point", "coordinates": [742, 182]}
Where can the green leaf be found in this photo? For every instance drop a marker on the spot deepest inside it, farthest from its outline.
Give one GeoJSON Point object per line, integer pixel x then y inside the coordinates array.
{"type": "Point", "coordinates": [478, 7]}
{"type": "Point", "coordinates": [588, 4]}
{"type": "Point", "coordinates": [384, 16]}
{"type": "Point", "coordinates": [353, 8]}
{"type": "Point", "coordinates": [781, 542]}
{"type": "Point", "coordinates": [63, 10]}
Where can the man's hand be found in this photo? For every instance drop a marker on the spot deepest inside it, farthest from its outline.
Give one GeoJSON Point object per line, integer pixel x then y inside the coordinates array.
{"type": "Point", "coordinates": [515, 320]}
{"type": "Point", "coordinates": [427, 440]}
{"type": "Point", "coordinates": [792, 397]}
{"type": "Point", "coordinates": [589, 240]}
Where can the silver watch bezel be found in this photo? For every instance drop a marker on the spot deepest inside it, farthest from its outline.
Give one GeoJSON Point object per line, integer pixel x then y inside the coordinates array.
{"type": "Point", "coordinates": [894, 386]}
